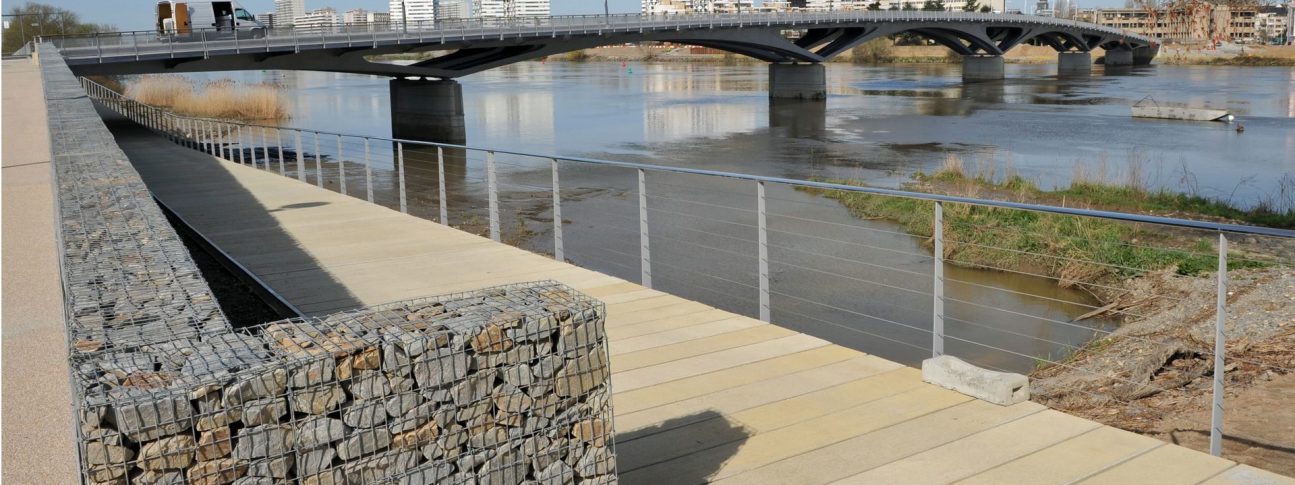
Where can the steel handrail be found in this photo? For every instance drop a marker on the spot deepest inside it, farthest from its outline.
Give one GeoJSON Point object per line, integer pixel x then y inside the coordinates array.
{"type": "Point", "coordinates": [1101, 214]}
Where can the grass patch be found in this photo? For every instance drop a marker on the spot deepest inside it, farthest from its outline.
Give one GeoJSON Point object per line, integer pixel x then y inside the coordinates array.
{"type": "Point", "coordinates": [217, 99]}
{"type": "Point", "coordinates": [1246, 61]}
{"type": "Point", "coordinates": [1071, 249]}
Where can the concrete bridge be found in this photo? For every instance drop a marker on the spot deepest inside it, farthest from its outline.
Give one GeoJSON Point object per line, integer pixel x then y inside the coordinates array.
{"type": "Point", "coordinates": [794, 43]}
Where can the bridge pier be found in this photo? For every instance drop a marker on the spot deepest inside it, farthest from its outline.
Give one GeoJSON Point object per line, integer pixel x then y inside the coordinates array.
{"type": "Point", "coordinates": [427, 111]}
{"type": "Point", "coordinates": [1119, 57]}
{"type": "Point", "coordinates": [1143, 55]}
{"type": "Point", "coordinates": [797, 81]}
{"type": "Point", "coordinates": [1074, 63]}
{"type": "Point", "coordinates": [982, 68]}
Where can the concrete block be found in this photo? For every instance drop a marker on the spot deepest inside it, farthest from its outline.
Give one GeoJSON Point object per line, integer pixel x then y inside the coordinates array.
{"type": "Point", "coordinates": [1119, 57]}
{"type": "Point", "coordinates": [1000, 388]}
{"type": "Point", "coordinates": [982, 68]}
{"type": "Point", "coordinates": [797, 81]}
{"type": "Point", "coordinates": [1074, 63]}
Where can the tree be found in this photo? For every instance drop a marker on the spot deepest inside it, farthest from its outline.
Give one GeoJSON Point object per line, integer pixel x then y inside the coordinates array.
{"type": "Point", "coordinates": [971, 6]}
{"type": "Point", "coordinates": [909, 6]}
{"type": "Point", "coordinates": [875, 5]}
{"type": "Point", "coordinates": [985, 9]}
{"type": "Point", "coordinates": [25, 22]}
{"type": "Point", "coordinates": [933, 6]}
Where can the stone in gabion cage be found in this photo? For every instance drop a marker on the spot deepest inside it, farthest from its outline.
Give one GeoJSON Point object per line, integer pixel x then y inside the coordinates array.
{"type": "Point", "coordinates": [506, 385]}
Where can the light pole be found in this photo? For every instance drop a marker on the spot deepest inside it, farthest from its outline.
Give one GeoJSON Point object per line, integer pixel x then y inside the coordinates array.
{"type": "Point", "coordinates": [404, 17]}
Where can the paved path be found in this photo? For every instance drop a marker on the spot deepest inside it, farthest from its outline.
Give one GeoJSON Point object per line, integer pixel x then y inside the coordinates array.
{"type": "Point", "coordinates": [700, 394]}
{"type": "Point", "coordinates": [38, 437]}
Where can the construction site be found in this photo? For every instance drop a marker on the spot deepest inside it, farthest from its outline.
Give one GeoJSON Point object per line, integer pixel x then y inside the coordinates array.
{"type": "Point", "coordinates": [1208, 22]}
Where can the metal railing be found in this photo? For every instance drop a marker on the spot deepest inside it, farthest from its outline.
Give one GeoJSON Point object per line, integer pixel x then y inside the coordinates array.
{"type": "Point", "coordinates": [763, 246]}
{"type": "Point", "coordinates": [137, 45]}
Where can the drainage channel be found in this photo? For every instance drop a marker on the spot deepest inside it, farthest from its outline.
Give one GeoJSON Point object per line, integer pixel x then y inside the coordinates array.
{"type": "Point", "coordinates": [244, 298]}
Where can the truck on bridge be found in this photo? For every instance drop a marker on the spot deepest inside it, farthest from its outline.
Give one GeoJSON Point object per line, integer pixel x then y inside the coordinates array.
{"type": "Point", "coordinates": [179, 20]}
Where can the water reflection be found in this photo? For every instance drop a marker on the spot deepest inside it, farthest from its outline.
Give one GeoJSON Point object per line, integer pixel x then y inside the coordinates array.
{"type": "Point", "coordinates": [881, 124]}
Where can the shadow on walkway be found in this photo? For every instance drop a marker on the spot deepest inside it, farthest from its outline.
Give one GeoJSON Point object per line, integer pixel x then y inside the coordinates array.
{"type": "Point", "coordinates": [692, 448]}
{"type": "Point", "coordinates": [204, 194]}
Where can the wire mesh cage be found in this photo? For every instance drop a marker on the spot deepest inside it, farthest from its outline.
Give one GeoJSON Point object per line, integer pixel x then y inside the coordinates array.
{"type": "Point", "coordinates": [503, 385]}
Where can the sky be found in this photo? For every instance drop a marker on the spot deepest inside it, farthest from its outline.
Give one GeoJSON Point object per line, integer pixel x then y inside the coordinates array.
{"type": "Point", "coordinates": [136, 14]}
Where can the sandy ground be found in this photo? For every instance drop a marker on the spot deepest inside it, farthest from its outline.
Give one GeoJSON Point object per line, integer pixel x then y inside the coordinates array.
{"type": "Point", "coordinates": [38, 436]}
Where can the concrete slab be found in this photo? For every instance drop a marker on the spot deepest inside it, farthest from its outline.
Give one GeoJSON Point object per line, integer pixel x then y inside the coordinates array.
{"type": "Point", "coordinates": [1167, 465]}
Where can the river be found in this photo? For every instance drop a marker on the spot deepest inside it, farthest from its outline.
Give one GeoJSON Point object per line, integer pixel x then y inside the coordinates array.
{"type": "Point", "coordinates": [859, 283]}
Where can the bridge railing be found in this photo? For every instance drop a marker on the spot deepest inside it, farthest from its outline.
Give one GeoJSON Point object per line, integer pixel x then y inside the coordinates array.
{"type": "Point", "coordinates": [1090, 303]}
{"type": "Point", "coordinates": [206, 42]}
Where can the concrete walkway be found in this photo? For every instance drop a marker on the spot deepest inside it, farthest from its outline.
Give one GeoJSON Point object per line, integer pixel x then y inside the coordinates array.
{"type": "Point", "coordinates": [701, 395]}
{"type": "Point", "coordinates": [38, 437]}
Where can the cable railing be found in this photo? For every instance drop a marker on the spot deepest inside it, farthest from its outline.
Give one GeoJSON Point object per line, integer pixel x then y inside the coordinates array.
{"type": "Point", "coordinates": [208, 41]}
{"type": "Point", "coordinates": [783, 253]}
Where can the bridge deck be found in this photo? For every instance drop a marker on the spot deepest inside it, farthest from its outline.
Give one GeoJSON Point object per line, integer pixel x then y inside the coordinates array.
{"type": "Point", "coordinates": [700, 394]}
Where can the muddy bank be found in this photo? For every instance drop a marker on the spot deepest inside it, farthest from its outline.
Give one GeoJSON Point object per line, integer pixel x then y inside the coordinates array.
{"type": "Point", "coordinates": [1154, 375]}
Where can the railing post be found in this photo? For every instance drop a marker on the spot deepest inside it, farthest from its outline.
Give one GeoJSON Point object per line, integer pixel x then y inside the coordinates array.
{"type": "Point", "coordinates": [368, 172]}
{"type": "Point", "coordinates": [341, 167]}
{"type": "Point", "coordinates": [301, 162]}
{"type": "Point", "coordinates": [319, 166]}
{"type": "Point", "coordinates": [1221, 316]}
{"type": "Point", "coordinates": [278, 140]}
{"type": "Point", "coordinates": [400, 174]}
{"type": "Point", "coordinates": [242, 159]}
{"type": "Point", "coordinates": [440, 184]}
{"type": "Point", "coordinates": [645, 254]}
{"type": "Point", "coordinates": [937, 310]}
{"type": "Point", "coordinates": [265, 149]}
{"type": "Point", "coordinates": [764, 252]}
{"type": "Point", "coordinates": [557, 213]}
{"type": "Point", "coordinates": [492, 193]}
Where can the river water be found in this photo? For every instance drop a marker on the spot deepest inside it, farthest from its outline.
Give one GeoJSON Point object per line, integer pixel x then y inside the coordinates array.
{"type": "Point", "coordinates": [859, 283]}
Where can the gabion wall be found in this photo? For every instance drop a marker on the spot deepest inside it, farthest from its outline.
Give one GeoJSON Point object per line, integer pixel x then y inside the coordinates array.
{"type": "Point", "coordinates": [499, 386]}
{"type": "Point", "coordinates": [127, 278]}
{"type": "Point", "coordinates": [507, 385]}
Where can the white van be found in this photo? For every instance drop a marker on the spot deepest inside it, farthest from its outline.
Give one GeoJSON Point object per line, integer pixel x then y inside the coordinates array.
{"type": "Point", "coordinates": [187, 18]}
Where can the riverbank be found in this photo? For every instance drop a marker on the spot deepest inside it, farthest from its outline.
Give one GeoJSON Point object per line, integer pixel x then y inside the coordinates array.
{"type": "Point", "coordinates": [225, 99]}
{"type": "Point", "coordinates": [1098, 256]}
{"type": "Point", "coordinates": [1228, 55]}
{"type": "Point", "coordinates": [1153, 375]}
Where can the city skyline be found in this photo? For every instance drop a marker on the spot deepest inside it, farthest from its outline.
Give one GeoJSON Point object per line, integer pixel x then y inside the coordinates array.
{"type": "Point", "coordinates": [139, 16]}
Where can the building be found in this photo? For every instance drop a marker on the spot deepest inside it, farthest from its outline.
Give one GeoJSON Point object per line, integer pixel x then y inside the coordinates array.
{"type": "Point", "coordinates": [1042, 8]}
{"type": "Point", "coordinates": [1183, 23]}
{"type": "Point", "coordinates": [412, 11]}
{"type": "Point", "coordinates": [453, 9]}
{"type": "Point", "coordinates": [512, 8]}
{"type": "Point", "coordinates": [666, 7]}
{"type": "Point", "coordinates": [285, 11]}
{"type": "Point", "coordinates": [732, 6]}
{"type": "Point", "coordinates": [1272, 24]}
{"type": "Point", "coordinates": [362, 16]}
{"type": "Point", "coordinates": [324, 18]}
{"type": "Point", "coordinates": [266, 19]}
